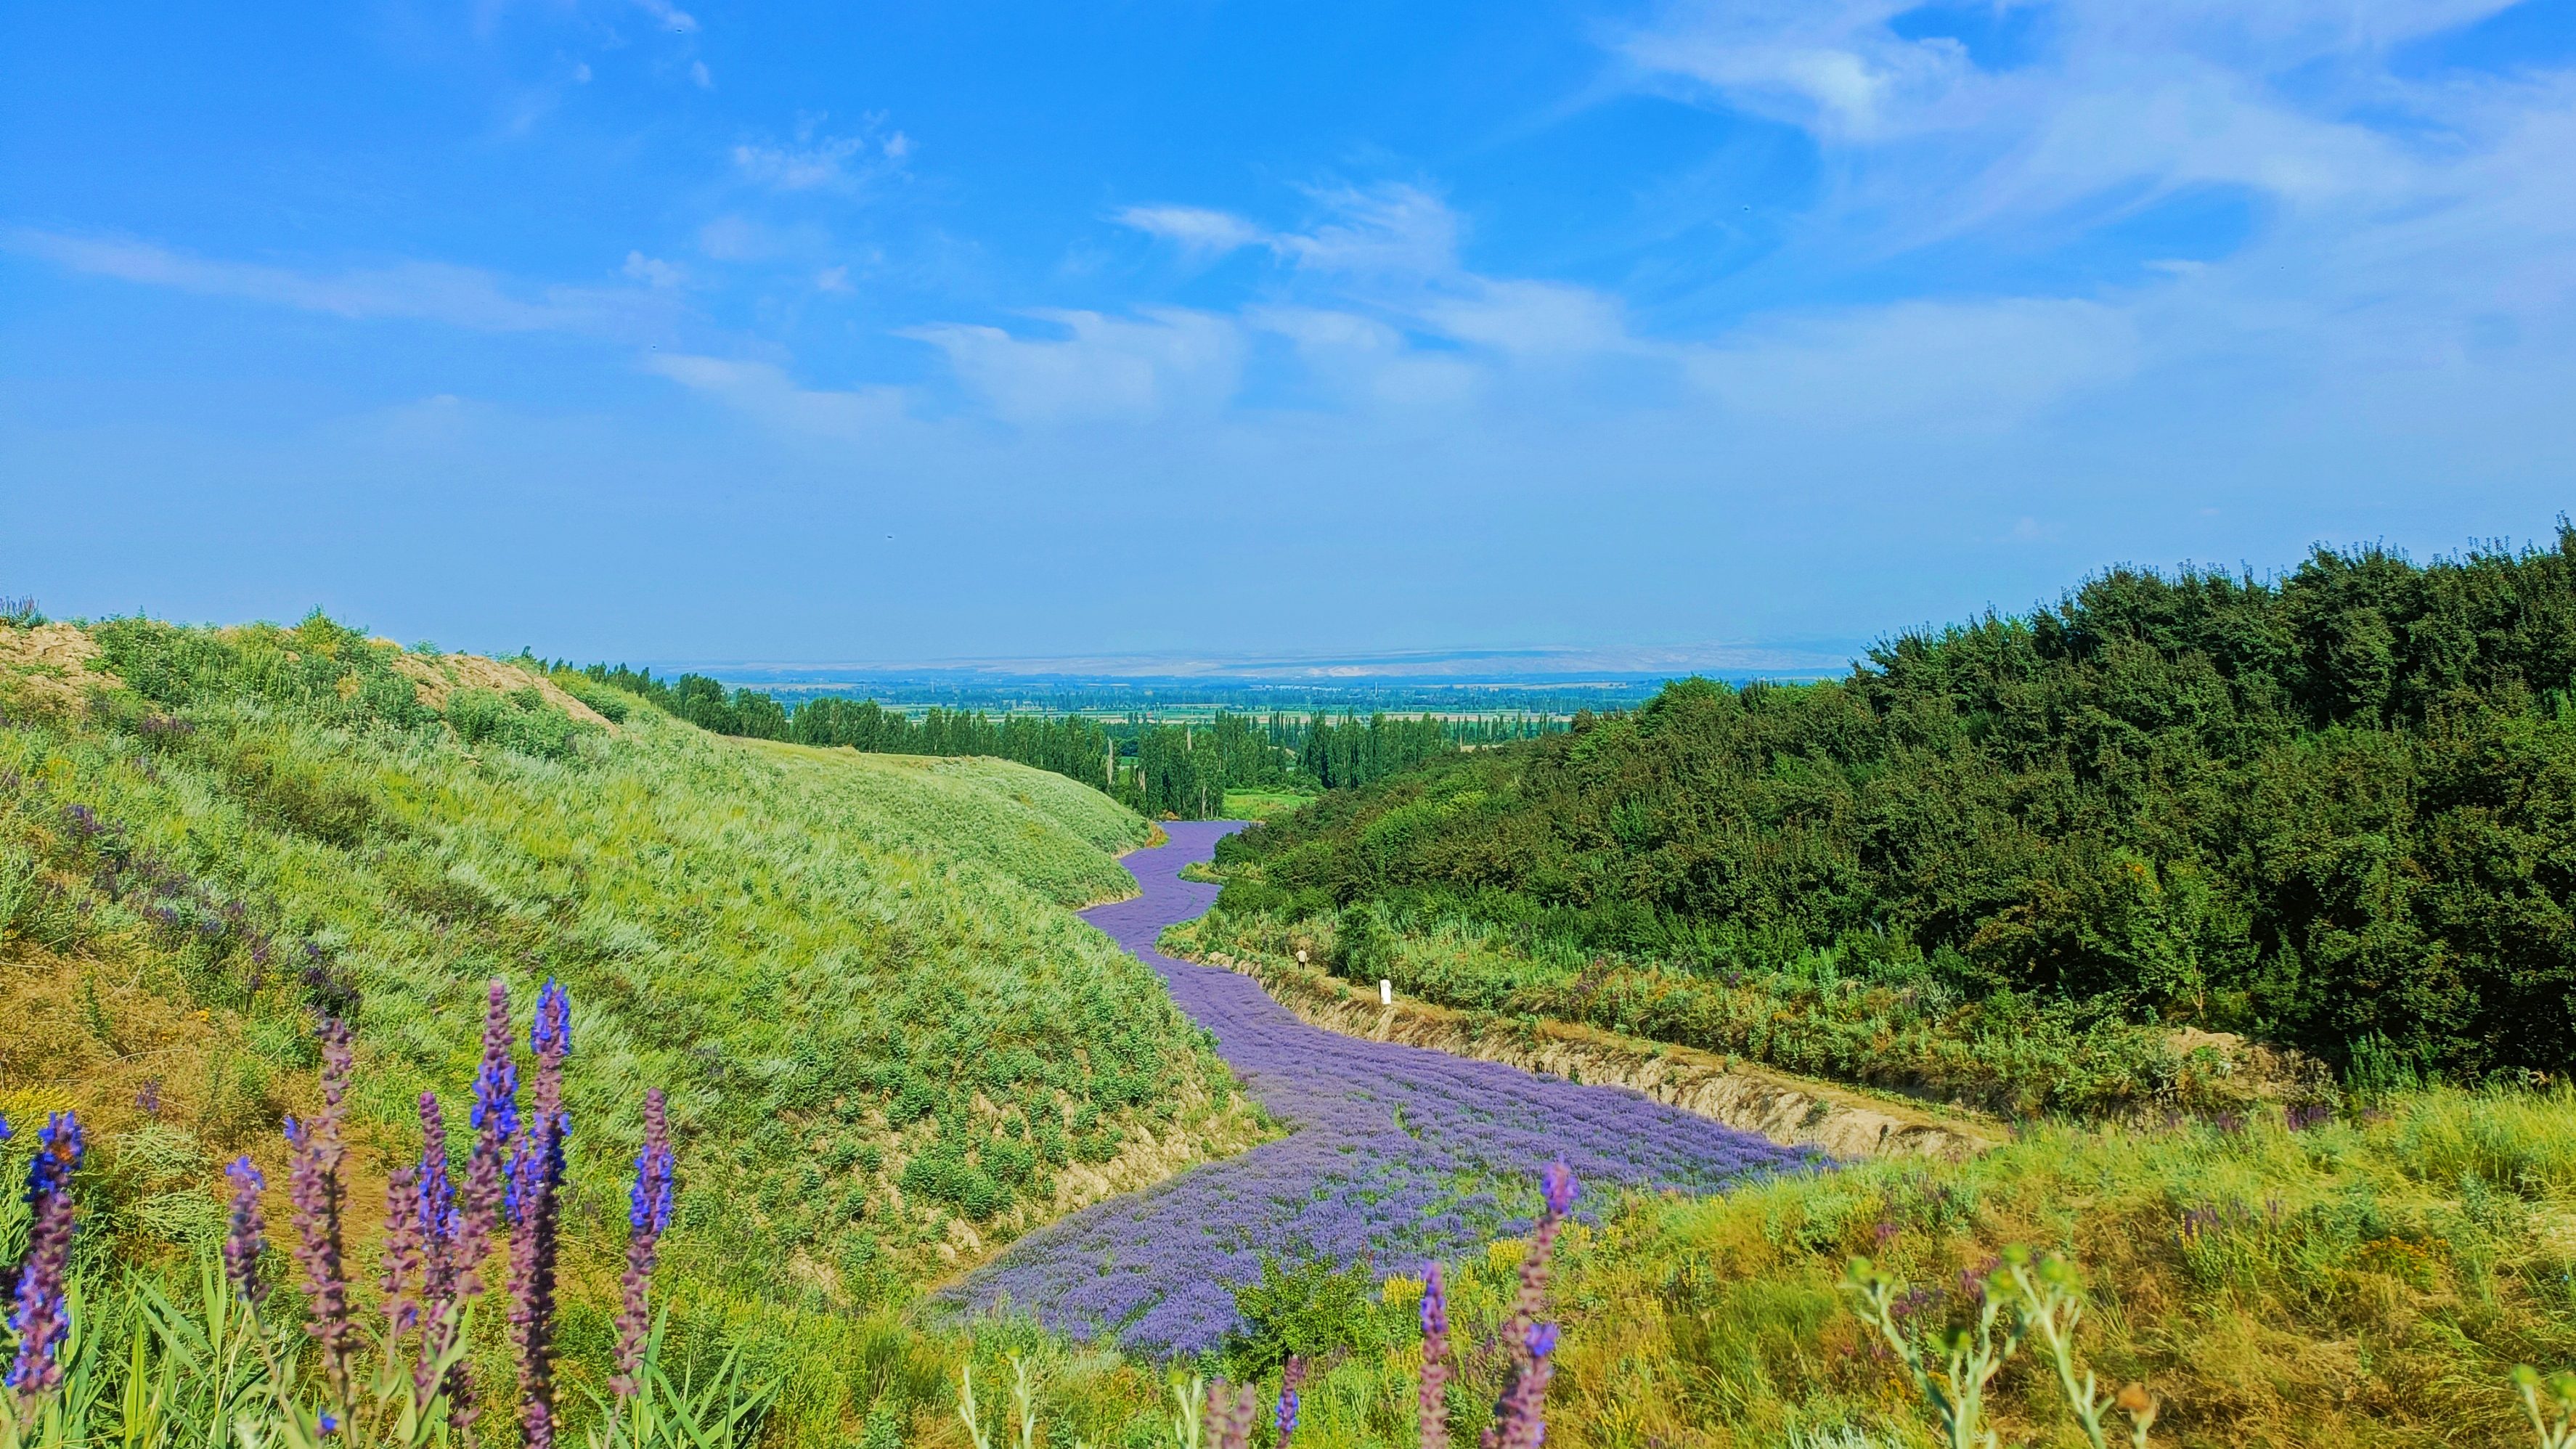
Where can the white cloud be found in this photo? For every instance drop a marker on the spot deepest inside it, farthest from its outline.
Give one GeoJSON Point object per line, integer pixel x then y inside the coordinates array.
{"type": "Point", "coordinates": [1384, 231]}
{"type": "Point", "coordinates": [811, 162]}
{"type": "Point", "coordinates": [415, 290]}
{"type": "Point", "coordinates": [1194, 228]}
{"type": "Point", "coordinates": [765, 392]}
{"type": "Point", "coordinates": [2293, 100]}
{"type": "Point", "coordinates": [698, 72]}
{"type": "Point", "coordinates": [668, 16]}
{"type": "Point", "coordinates": [832, 279]}
{"type": "Point", "coordinates": [1531, 319]}
{"type": "Point", "coordinates": [1132, 368]}
{"type": "Point", "coordinates": [1388, 230]}
{"type": "Point", "coordinates": [654, 273]}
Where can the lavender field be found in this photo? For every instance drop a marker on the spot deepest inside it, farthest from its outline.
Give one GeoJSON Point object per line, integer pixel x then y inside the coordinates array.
{"type": "Point", "coordinates": [1395, 1155]}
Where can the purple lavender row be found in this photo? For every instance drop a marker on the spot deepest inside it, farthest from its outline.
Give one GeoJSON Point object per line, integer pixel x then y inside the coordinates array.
{"type": "Point", "coordinates": [1398, 1154]}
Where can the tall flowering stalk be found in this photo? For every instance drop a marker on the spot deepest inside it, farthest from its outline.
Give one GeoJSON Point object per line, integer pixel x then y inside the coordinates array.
{"type": "Point", "coordinates": [321, 1201]}
{"type": "Point", "coordinates": [1291, 1378]}
{"type": "Point", "coordinates": [536, 1180]}
{"type": "Point", "coordinates": [1229, 1416]}
{"type": "Point", "coordinates": [244, 1238]}
{"type": "Point", "coordinates": [402, 1253]}
{"type": "Point", "coordinates": [434, 1217]}
{"type": "Point", "coordinates": [1520, 1415]}
{"type": "Point", "coordinates": [495, 1120]}
{"type": "Point", "coordinates": [38, 1313]}
{"type": "Point", "coordinates": [8, 1271]}
{"type": "Point", "coordinates": [648, 1213]}
{"type": "Point", "coordinates": [1435, 1360]}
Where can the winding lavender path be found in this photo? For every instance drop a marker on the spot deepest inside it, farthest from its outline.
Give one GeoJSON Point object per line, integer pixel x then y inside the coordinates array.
{"type": "Point", "coordinates": [1396, 1153]}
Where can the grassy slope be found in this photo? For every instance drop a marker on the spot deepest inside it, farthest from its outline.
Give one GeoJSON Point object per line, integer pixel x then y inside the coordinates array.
{"type": "Point", "coordinates": [1009, 817]}
{"type": "Point", "coordinates": [834, 964]}
{"type": "Point", "coordinates": [2367, 1282]}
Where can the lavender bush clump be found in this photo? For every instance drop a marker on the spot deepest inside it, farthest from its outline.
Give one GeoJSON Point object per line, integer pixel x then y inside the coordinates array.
{"type": "Point", "coordinates": [38, 1313]}
{"type": "Point", "coordinates": [1397, 1153]}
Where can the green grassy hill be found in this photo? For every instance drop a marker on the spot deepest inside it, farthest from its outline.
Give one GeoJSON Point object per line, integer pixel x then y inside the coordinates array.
{"type": "Point", "coordinates": [889, 1044]}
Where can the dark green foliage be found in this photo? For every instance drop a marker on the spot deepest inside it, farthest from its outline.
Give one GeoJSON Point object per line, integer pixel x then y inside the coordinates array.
{"type": "Point", "coordinates": [2332, 809]}
{"type": "Point", "coordinates": [1315, 1311]}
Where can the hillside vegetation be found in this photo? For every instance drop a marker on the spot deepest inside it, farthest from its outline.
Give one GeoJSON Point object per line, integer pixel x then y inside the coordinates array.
{"type": "Point", "coordinates": [887, 1043]}
{"type": "Point", "coordinates": [2005, 860]}
{"type": "Point", "coordinates": [2368, 1281]}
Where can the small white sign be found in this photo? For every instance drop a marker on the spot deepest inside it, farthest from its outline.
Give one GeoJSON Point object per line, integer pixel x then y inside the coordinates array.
{"type": "Point", "coordinates": [1385, 992]}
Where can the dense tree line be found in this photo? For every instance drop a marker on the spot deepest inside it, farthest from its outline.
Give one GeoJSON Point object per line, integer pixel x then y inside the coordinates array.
{"type": "Point", "coordinates": [2337, 809]}
{"type": "Point", "coordinates": [1159, 768]}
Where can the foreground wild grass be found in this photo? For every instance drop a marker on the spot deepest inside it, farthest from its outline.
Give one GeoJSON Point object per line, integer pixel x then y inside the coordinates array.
{"type": "Point", "coordinates": [2364, 1282]}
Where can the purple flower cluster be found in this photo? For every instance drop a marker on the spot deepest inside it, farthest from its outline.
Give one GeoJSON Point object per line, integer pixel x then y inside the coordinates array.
{"type": "Point", "coordinates": [1397, 1154]}
{"type": "Point", "coordinates": [1520, 1415]}
{"type": "Point", "coordinates": [535, 1204]}
{"type": "Point", "coordinates": [245, 1239]}
{"type": "Point", "coordinates": [38, 1314]}
{"type": "Point", "coordinates": [320, 1197]}
{"type": "Point", "coordinates": [1434, 1407]}
{"type": "Point", "coordinates": [648, 1214]}
{"type": "Point", "coordinates": [434, 1224]}
{"type": "Point", "coordinates": [1291, 1379]}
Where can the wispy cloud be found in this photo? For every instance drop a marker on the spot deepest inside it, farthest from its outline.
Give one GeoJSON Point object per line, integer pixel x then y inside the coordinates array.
{"type": "Point", "coordinates": [1100, 368]}
{"type": "Point", "coordinates": [413, 290]}
{"type": "Point", "coordinates": [653, 272]}
{"type": "Point", "coordinates": [1195, 229]}
{"type": "Point", "coordinates": [669, 16]}
{"type": "Point", "coordinates": [765, 391]}
{"type": "Point", "coordinates": [2298, 101]}
{"type": "Point", "coordinates": [812, 161]}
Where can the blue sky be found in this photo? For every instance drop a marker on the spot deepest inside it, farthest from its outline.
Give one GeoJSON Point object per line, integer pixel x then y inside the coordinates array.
{"type": "Point", "coordinates": [903, 332]}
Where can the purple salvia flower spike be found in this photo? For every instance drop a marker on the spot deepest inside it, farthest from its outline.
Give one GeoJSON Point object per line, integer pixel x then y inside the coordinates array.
{"type": "Point", "coordinates": [536, 1221]}
{"type": "Point", "coordinates": [1291, 1378]}
{"type": "Point", "coordinates": [321, 1201]}
{"type": "Point", "coordinates": [1435, 1359]}
{"type": "Point", "coordinates": [1558, 1187]}
{"type": "Point", "coordinates": [402, 1253]}
{"type": "Point", "coordinates": [38, 1313]}
{"type": "Point", "coordinates": [495, 1119]}
{"type": "Point", "coordinates": [243, 1240]}
{"type": "Point", "coordinates": [435, 1221]}
{"type": "Point", "coordinates": [648, 1214]}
